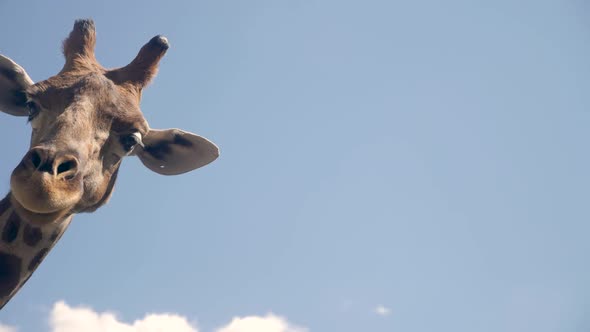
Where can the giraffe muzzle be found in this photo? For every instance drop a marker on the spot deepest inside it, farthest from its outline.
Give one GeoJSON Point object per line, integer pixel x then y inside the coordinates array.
{"type": "Point", "coordinates": [47, 182]}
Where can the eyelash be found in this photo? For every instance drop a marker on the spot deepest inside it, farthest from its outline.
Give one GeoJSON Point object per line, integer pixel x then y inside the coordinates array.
{"type": "Point", "coordinates": [33, 110]}
{"type": "Point", "coordinates": [130, 141]}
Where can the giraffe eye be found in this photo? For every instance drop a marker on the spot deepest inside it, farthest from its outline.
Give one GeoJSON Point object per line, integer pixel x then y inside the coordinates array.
{"type": "Point", "coordinates": [131, 141]}
{"type": "Point", "coordinates": [33, 110]}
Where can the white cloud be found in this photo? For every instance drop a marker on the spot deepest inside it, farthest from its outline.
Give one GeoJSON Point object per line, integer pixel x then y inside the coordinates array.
{"type": "Point", "coordinates": [64, 318]}
{"type": "Point", "coordinates": [382, 310]}
{"type": "Point", "coordinates": [6, 328]}
{"type": "Point", "coordinates": [270, 323]}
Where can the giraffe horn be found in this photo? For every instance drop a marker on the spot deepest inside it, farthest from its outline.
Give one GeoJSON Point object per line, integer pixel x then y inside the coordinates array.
{"type": "Point", "coordinates": [145, 65]}
{"type": "Point", "coordinates": [78, 48]}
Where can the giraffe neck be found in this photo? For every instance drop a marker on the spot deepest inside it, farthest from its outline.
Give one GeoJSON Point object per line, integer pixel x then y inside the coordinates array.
{"type": "Point", "coordinates": [25, 240]}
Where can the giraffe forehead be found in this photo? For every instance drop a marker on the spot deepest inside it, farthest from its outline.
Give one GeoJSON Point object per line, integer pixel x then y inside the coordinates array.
{"type": "Point", "coordinates": [92, 96]}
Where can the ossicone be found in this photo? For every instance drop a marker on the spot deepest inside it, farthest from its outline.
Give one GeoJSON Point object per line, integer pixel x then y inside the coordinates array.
{"type": "Point", "coordinates": [78, 48]}
{"type": "Point", "coordinates": [144, 67]}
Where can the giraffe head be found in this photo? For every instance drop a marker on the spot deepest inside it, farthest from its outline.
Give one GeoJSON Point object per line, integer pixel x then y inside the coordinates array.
{"type": "Point", "coordinates": [84, 121]}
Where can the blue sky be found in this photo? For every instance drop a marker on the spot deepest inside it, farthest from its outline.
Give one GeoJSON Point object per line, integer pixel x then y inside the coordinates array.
{"type": "Point", "coordinates": [427, 157]}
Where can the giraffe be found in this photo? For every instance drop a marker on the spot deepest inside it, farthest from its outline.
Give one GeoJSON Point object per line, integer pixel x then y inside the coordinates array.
{"type": "Point", "coordinates": [84, 121]}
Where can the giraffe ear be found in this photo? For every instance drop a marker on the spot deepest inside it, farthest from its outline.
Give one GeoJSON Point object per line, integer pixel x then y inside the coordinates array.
{"type": "Point", "coordinates": [13, 83]}
{"type": "Point", "coordinates": [174, 151]}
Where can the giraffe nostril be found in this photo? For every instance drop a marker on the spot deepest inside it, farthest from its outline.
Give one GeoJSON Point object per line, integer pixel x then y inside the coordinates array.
{"type": "Point", "coordinates": [35, 159]}
{"type": "Point", "coordinates": [44, 160]}
{"type": "Point", "coordinates": [66, 165]}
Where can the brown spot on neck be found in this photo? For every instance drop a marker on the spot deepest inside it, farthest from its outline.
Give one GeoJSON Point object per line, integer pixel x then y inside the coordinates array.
{"type": "Point", "coordinates": [38, 259]}
{"type": "Point", "coordinates": [32, 235]}
{"type": "Point", "coordinates": [11, 228]}
{"type": "Point", "coordinates": [10, 267]}
{"type": "Point", "coordinates": [4, 204]}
